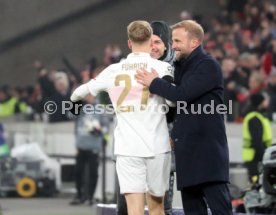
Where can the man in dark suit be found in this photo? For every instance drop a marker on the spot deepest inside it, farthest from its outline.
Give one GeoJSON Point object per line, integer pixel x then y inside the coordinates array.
{"type": "Point", "coordinates": [201, 150]}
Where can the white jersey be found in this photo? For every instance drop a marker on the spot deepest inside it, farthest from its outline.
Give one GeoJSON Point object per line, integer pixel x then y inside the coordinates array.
{"type": "Point", "coordinates": [141, 122]}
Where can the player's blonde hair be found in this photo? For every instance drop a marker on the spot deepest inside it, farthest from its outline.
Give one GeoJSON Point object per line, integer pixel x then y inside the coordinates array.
{"type": "Point", "coordinates": [194, 29]}
{"type": "Point", "coordinates": [139, 31]}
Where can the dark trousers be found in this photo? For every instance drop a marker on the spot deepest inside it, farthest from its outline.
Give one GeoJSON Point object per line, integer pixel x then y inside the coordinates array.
{"type": "Point", "coordinates": [86, 186]}
{"type": "Point", "coordinates": [168, 199]}
{"type": "Point", "coordinates": [216, 195]}
{"type": "Point", "coordinates": [252, 169]}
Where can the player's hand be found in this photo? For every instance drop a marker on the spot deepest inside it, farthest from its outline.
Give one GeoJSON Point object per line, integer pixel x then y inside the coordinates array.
{"type": "Point", "coordinates": [144, 77]}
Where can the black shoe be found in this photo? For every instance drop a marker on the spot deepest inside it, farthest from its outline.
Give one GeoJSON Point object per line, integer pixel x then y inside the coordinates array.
{"type": "Point", "coordinates": [77, 201]}
{"type": "Point", "coordinates": [91, 202]}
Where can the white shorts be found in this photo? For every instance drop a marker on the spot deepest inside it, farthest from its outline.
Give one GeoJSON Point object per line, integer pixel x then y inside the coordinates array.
{"type": "Point", "coordinates": [141, 175]}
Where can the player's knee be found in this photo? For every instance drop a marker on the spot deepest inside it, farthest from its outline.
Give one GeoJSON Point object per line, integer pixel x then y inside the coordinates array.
{"type": "Point", "coordinates": [155, 204]}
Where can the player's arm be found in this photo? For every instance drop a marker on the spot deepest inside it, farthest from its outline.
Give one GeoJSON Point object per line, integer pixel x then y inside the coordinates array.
{"type": "Point", "coordinates": [167, 75]}
{"type": "Point", "coordinates": [94, 86]}
{"type": "Point", "coordinates": [169, 79]}
{"type": "Point", "coordinates": [79, 93]}
{"type": "Point", "coordinates": [166, 72]}
{"type": "Point", "coordinates": [76, 98]}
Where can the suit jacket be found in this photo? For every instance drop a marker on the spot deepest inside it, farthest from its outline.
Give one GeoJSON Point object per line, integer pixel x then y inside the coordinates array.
{"type": "Point", "coordinates": [201, 149]}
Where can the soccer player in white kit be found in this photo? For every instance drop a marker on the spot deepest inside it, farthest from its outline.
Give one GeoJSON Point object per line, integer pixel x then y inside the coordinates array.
{"type": "Point", "coordinates": [141, 135]}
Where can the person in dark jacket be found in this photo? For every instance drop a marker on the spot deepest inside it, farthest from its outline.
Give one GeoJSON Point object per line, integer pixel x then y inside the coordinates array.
{"type": "Point", "coordinates": [61, 94]}
{"type": "Point", "coordinates": [89, 130]}
{"type": "Point", "coordinates": [162, 50]}
{"type": "Point", "coordinates": [201, 149]}
{"type": "Point", "coordinates": [257, 134]}
{"type": "Point", "coordinates": [272, 95]}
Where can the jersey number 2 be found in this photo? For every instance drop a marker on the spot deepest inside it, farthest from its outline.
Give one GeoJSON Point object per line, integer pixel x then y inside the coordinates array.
{"type": "Point", "coordinates": [127, 81]}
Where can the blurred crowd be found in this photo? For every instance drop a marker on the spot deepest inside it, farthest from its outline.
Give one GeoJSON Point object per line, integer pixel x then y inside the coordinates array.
{"type": "Point", "coordinates": [52, 85]}
{"type": "Point", "coordinates": [242, 38]}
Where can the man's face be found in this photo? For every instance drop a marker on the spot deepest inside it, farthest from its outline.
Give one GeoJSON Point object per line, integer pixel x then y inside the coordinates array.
{"type": "Point", "coordinates": [158, 47]}
{"type": "Point", "coordinates": [181, 43]}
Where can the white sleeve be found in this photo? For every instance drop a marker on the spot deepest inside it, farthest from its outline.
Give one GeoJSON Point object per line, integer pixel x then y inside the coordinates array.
{"type": "Point", "coordinates": [100, 83]}
{"type": "Point", "coordinates": [170, 103]}
{"type": "Point", "coordinates": [94, 86]}
{"type": "Point", "coordinates": [79, 93]}
{"type": "Point", "coordinates": [165, 69]}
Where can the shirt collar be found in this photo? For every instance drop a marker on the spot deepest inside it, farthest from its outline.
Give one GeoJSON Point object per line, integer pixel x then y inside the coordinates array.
{"type": "Point", "coordinates": [138, 54]}
{"type": "Point", "coordinates": [193, 54]}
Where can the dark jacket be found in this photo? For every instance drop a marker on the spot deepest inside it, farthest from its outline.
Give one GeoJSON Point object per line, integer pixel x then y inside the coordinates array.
{"type": "Point", "coordinates": [58, 116]}
{"type": "Point", "coordinates": [272, 103]}
{"type": "Point", "coordinates": [256, 130]}
{"type": "Point", "coordinates": [201, 148]}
